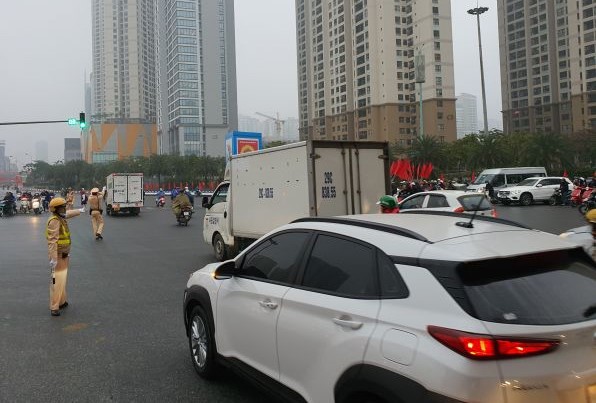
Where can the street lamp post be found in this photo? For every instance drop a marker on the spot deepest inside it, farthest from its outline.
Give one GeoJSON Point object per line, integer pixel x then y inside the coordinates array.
{"type": "Point", "coordinates": [477, 11]}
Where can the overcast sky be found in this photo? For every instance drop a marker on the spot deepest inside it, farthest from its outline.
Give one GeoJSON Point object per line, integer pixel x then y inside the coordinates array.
{"type": "Point", "coordinates": [45, 50]}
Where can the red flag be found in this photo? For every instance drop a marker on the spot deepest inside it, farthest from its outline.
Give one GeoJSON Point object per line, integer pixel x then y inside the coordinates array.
{"type": "Point", "coordinates": [393, 168]}
{"type": "Point", "coordinates": [565, 173]}
{"type": "Point", "coordinates": [473, 176]}
{"type": "Point", "coordinates": [442, 177]}
{"type": "Point", "coordinates": [201, 185]}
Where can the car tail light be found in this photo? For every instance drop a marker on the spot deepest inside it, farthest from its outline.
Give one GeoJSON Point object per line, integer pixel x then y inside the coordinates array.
{"type": "Point", "coordinates": [493, 213]}
{"type": "Point", "coordinates": [459, 210]}
{"type": "Point", "coordinates": [486, 347]}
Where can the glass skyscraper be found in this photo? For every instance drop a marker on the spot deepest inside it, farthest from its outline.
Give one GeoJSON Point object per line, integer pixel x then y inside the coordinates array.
{"type": "Point", "coordinates": [196, 76]}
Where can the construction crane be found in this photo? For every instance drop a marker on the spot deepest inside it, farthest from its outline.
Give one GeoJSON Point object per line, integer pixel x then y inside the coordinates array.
{"type": "Point", "coordinates": [278, 123]}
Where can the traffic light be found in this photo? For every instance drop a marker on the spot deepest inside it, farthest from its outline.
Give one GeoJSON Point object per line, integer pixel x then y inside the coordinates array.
{"type": "Point", "coordinates": [82, 122]}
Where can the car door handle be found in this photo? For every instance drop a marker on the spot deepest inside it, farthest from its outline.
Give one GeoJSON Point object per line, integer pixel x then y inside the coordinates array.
{"type": "Point", "coordinates": [347, 323]}
{"type": "Point", "coordinates": [268, 304]}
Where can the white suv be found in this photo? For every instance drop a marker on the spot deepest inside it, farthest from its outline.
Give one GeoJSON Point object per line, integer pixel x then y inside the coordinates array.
{"type": "Point", "coordinates": [410, 307]}
{"type": "Point", "coordinates": [532, 189]}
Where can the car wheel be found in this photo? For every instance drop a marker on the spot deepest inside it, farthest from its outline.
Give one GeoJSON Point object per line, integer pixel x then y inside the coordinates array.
{"type": "Point", "coordinates": [109, 210]}
{"type": "Point", "coordinates": [525, 199]}
{"type": "Point", "coordinates": [219, 247]}
{"type": "Point", "coordinates": [201, 344]}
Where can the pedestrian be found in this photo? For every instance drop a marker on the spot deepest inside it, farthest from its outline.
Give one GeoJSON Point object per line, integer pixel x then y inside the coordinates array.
{"type": "Point", "coordinates": [388, 205]}
{"type": "Point", "coordinates": [84, 199]}
{"type": "Point", "coordinates": [95, 203]}
{"type": "Point", "coordinates": [58, 237]}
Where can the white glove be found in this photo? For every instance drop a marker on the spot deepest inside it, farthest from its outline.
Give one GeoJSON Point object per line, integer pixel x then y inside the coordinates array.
{"type": "Point", "coordinates": [82, 210]}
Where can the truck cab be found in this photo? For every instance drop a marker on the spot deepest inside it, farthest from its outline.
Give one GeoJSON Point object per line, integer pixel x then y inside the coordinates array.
{"type": "Point", "coordinates": [216, 225]}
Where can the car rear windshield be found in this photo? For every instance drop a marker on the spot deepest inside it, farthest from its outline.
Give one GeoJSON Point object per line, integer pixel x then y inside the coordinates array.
{"type": "Point", "coordinates": [473, 202]}
{"type": "Point", "coordinates": [552, 288]}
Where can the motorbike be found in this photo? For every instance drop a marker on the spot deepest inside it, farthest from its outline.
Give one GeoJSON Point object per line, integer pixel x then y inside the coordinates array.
{"type": "Point", "coordinates": [7, 209]}
{"type": "Point", "coordinates": [579, 194]}
{"type": "Point", "coordinates": [25, 207]}
{"type": "Point", "coordinates": [557, 199]}
{"type": "Point", "coordinates": [588, 203]}
{"type": "Point", "coordinates": [185, 215]}
{"type": "Point", "coordinates": [160, 202]}
{"type": "Point", "coordinates": [36, 205]}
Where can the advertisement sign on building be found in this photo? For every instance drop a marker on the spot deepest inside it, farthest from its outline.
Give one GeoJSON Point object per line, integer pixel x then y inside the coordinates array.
{"type": "Point", "coordinates": [242, 142]}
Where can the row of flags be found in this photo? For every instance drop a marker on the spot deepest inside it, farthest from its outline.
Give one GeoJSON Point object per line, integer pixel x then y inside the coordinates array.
{"type": "Point", "coordinates": [404, 169]}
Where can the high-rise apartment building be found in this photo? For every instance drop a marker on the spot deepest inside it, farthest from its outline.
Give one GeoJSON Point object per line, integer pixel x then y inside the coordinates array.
{"type": "Point", "coordinates": [548, 65]}
{"type": "Point", "coordinates": [466, 111]}
{"type": "Point", "coordinates": [197, 76]}
{"type": "Point", "coordinates": [124, 68]}
{"type": "Point", "coordinates": [72, 149]}
{"type": "Point", "coordinates": [356, 72]}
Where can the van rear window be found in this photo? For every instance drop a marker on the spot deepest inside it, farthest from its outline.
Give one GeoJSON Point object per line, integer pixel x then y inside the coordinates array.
{"type": "Point", "coordinates": [551, 288]}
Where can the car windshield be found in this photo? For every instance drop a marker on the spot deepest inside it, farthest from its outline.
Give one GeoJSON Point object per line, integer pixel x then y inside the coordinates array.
{"type": "Point", "coordinates": [527, 182]}
{"type": "Point", "coordinates": [473, 202]}
{"type": "Point", "coordinates": [482, 179]}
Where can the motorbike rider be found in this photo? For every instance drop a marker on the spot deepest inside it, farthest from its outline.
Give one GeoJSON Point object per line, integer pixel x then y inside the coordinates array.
{"type": "Point", "coordinates": [180, 202]}
{"type": "Point", "coordinates": [190, 196]}
{"type": "Point", "coordinates": [159, 195]}
{"type": "Point", "coordinates": [564, 188]}
{"type": "Point", "coordinates": [10, 202]}
{"type": "Point", "coordinates": [388, 205]}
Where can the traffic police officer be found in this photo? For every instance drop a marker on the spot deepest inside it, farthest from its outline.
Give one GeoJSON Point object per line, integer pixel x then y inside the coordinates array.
{"type": "Point", "coordinates": [58, 237]}
{"type": "Point", "coordinates": [96, 211]}
{"type": "Point", "coordinates": [591, 218]}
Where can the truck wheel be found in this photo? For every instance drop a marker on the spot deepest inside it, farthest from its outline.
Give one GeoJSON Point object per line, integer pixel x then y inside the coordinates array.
{"type": "Point", "coordinates": [525, 199]}
{"type": "Point", "coordinates": [219, 247]}
{"type": "Point", "coordinates": [109, 210]}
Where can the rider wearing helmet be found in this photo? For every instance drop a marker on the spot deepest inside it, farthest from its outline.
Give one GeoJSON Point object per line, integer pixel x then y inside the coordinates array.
{"type": "Point", "coordinates": [388, 205]}
{"type": "Point", "coordinates": [58, 237]}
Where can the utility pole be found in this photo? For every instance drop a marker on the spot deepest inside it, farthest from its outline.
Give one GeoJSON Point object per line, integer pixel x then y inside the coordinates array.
{"type": "Point", "coordinates": [477, 12]}
{"type": "Point", "coordinates": [419, 65]}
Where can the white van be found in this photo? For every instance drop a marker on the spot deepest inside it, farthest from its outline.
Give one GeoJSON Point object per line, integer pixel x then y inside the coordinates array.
{"type": "Point", "coordinates": [504, 177]}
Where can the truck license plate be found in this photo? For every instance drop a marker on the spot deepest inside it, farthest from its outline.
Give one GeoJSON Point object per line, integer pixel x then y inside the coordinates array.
{"type": "Point", "coordinates": [186, 213]}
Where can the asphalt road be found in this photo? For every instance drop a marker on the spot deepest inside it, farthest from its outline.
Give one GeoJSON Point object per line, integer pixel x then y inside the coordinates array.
{"type": "Point", "coordinates": [122, 337]}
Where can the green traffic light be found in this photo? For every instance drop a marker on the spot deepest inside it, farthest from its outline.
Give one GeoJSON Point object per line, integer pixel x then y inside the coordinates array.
{"type": "Point", "coordinates": [72, 121]}
{"type": "Point", "coordinates": [83, 125]}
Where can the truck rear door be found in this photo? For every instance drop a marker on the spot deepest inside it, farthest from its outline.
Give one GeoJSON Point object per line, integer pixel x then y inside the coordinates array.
{"type": "Point", "coordinates": [135, 189]}
{"type": "Point", "coordinates": [348, 178]}
{"type": "Point", "coordinates": [120, 189]}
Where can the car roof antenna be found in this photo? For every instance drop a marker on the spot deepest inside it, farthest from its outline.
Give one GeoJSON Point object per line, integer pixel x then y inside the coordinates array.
{"type": "Point", "coordinates": [469, 223]}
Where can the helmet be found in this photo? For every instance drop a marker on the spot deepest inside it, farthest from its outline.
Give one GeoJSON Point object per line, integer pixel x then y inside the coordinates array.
{"type": "Point", "coordinates": [387, 201]}
{"type": "Point", "coordinates": [94, 190]}
{"type": "Point", "coordinates": [57, 202]}
{"type": "Point", "coordinates": [591, 216]}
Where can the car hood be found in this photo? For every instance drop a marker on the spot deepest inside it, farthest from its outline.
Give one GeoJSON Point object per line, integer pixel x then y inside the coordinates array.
{"type": "Point", "coordinates": [518, 188]}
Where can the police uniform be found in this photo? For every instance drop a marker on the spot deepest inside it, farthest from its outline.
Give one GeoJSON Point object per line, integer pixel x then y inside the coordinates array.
{"type": "Point", "coordinates": [95, 201]}
{"type": "Point", "coordinates": [70, 199]}
{"type": "Point", "coordinates": [58, 237]}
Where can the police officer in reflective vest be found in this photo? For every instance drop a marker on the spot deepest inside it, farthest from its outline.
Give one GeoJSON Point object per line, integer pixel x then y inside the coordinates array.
{"type": "Point", "coordinates": [96, 211]}
{"type": "Point", "coordinates": [58, 236]}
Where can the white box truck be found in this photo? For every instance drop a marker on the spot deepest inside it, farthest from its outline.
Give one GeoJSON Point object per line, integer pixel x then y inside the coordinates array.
{"type": "Point", "coordinates": [124, 193]}
{"type": "Point", "coordinates": [265, 189]}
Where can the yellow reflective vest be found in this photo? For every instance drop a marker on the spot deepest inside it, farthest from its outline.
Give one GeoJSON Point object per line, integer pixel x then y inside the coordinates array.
{"type": "Point", "coordinates": [64, 236]}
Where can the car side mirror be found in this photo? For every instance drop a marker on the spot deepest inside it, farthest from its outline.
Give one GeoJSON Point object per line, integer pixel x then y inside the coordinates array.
{"type": "Point", "coordinates": [205, 202]}
{"type": "Point", "coordinates": [539, 185]}
{"type": "Point", "coordinates": [225, 271]}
